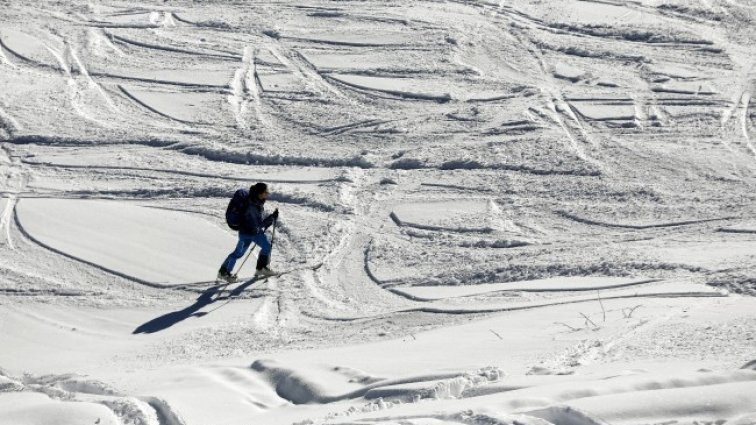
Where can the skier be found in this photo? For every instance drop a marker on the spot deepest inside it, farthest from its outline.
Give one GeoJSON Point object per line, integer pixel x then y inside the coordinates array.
{"type": "Point", "coordinates": [249, 207]}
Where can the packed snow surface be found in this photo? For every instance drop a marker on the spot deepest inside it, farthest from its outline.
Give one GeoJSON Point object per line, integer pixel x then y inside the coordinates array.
{"type": "Point", "coordinates": [492, 212]}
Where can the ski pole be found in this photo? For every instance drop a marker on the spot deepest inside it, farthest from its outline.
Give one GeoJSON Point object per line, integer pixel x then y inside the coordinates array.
{"type": "Point", "coordinates": [273, 238]}
{"type": "Point", "coordinates": [252, 248]}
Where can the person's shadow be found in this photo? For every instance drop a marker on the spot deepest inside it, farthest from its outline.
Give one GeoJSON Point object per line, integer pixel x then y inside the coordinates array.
{"type": "Point", "coordinates": [240, 289]}
{"type": "Point", "coordinates": [206, 298]}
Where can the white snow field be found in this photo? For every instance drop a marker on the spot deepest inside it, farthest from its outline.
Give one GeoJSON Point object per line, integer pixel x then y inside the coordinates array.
{"type": "Point", "coordinates": [514, 212]}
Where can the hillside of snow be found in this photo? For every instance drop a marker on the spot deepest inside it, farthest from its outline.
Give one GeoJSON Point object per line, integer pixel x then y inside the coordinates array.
{"type": "Point", "coordinates": [517, 212]}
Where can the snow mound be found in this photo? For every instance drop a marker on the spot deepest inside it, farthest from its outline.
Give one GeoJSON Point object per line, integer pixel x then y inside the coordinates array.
{"type": "Point", "coordinates": [699, 403]}
{"type": "Point", "coordinates": [38, 409]}
{"type": "Point", "coordinates": [641, 398]}
{"type": "Point", "coordinates": [566, 415]}
{"type": "Point", "coordinates": [141, 159]}
{"type": "Point", "coordinates": [9, 385]}
{"type": "Point", "coordinates": [69, 383]}
{"type": "Point", "coordinates": [149, 245]}
{"type": "Point", "coordinates": [308, 384]}
{"type": "Point", "coordinates": [326, 384]}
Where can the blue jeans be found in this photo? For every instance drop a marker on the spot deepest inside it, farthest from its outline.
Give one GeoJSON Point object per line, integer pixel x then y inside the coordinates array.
{"type": "Point", "coordinates": [245, 240]}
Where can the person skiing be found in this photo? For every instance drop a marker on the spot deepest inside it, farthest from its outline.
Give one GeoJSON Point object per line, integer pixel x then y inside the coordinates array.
{"type": "Point", "coordinates": [252, 226]}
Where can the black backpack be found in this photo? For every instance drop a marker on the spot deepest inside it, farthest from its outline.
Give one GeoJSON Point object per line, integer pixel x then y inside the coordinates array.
{"type": "Point", "coordinates": [237, 206]}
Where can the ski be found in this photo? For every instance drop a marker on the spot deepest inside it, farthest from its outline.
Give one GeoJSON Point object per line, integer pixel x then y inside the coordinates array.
{"type": "Point", "coordinates": [292, 270]}
{"type": "Point", "coordinates": [225, 284]}
{"type": "Point", "coordinates": [296, 269]}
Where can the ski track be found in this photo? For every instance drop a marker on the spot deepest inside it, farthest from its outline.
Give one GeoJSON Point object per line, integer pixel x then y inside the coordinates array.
{"type": "Point", "coordinates": [211, 88]}
{"type": "Point", "coordinates": [178, 173]}
{"type": "Point", "coordinates": [297, 63]}
{"type": "Point", "coordinates": [4, 59]}
{"type": "Point", "coordinates": [744, 123]}
{"type": "Point", "coordinates": [246, 91]}
{"type": "Point", "coordinates": [170, 49]}
{"type": "Point", "coordinates": [502, 309]}
{"type": "Point", "coordinates": [340, 278]}
{"type": "Point", "coordinates": [5, 220]}
{"type": "Point", "coordinates": [574, 143]}
{"type": "Point", "coordinates": [364, 246]}
{"type": "Point", "coordinates": [9, 124]}
{"type": "Point", "coordinates": [149, 108]}
{"type": "Point", "coordinates": [165, 413]}
{"type": "Point", "coordinates": [36, 241]}
{"type": "Point", "coordinates": [67, 59]}
{"type": "Point", "coordinates": [641, 226]}
{"type": "Point", "coordinates": [92, 82]}
{"type": "Point", "coordinates": [24, 58]}
{"type": "Point", "coordinates": [555, 102]}
{"type": "Point", "coordinates": [97, 39]}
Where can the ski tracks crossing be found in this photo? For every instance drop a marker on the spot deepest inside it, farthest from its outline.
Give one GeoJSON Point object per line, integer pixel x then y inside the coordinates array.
{"type": "Point", "coordinates": [300, 66]}
{"type": "Point", "coordinates": [740, 108]}
{"type": "Point", "coordinates": [245, 91]}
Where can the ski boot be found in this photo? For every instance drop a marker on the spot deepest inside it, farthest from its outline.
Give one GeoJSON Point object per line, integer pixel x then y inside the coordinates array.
{"type": "Point", "coordinates": [262, 267]}
{"type": "Point", "coordinates": [265, 272]}
{"type": "Point", "coordinates": [225, 276]}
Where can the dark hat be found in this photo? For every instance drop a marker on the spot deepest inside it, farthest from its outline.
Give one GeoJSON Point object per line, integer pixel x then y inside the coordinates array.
{"type": "Point", "coordinates": [257, 189]}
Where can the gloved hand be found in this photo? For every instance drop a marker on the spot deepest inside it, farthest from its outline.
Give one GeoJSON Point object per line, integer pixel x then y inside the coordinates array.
{"type": "Point", "coordinates": [275, 214]}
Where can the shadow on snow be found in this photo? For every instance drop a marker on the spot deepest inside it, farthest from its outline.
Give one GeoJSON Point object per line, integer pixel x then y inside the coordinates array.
{"type": "Point", "coordinates": [207, 297]}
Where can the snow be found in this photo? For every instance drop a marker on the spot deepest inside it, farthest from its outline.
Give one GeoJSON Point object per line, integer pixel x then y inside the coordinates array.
{"type": "Point", "coordinates": [27, 408]}
{"type": "Point", "coordinates": [280, 82]}
{"type": "Point", "coordinates": [743, 228]}
{"type": "Point", "coordinates": [685, 87]}
{"type": "Point", "coordinates": [710, 254]}
{"type": "Point", "coordinates": [604, 13]}
{"type": "Point", "coordinates": [605, 112]}
{"type": "Point", "coordinates": [184, 107]}
{"type": "Point", "coordinates": [673, 71]}
{"type": "Point", "coordinates": [492, 212]}
{"type": "Point", "coordinates": [29, 47]}
{"type": "Point", "coordinates": [568, 72]}
{"type": "Point", "coordinates": [343, 61]}
{"type": "Point", "coordinates": [442, 215]}
{"type": "Point", "coordinates": [422, 89]}
{"type": "Point", "coordinates": [208, 78]}
{"type": "Point", "coordinates": [5, 214]}
{"type": "Point", "coordinates": [724, 400]}
{"type": "Point", "coordinates": [200, 393]}
{"type": "Point", "coordinates": [542, 285]}
{"type": "Point", "coordinates": [355, 38]}
{"type": "Point", "coordinates": [120, 237]}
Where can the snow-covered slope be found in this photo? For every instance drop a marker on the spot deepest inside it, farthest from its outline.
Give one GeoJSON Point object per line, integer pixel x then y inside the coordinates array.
{"type": "Point", "coordinates": [492, 212]}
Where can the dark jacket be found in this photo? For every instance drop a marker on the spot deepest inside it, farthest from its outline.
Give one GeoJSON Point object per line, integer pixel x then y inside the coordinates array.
{"type": "Point", "coordinates": [253, 222]}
